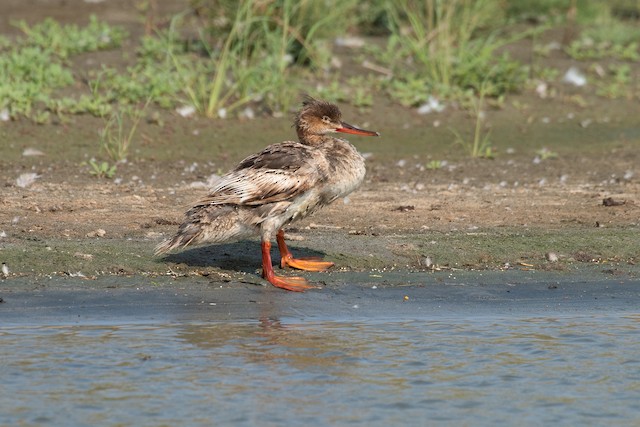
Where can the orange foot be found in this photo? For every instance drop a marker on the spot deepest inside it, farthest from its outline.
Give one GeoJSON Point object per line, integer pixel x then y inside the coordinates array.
{"type": "Point", "coordinates": [306, 264]}
{"type": "Point", "coordinates": [295, 284]}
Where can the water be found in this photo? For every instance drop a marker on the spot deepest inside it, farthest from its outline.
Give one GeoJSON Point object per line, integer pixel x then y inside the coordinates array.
{"type": "Point", "coordinates": [486, 370]}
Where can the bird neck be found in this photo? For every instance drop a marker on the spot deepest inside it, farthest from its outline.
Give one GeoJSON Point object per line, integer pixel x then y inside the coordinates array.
{"type": "Point", "coordinates": [313, 139]}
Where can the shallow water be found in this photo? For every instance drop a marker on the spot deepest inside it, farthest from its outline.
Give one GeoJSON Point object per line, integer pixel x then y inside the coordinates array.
{"type": "Point", "coordinates": [576, 370]}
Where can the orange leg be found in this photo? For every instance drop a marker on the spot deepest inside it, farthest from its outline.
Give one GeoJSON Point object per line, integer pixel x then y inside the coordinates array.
{"type": "Point", "coordinates": [306, 264]}
{"type": "Point", "coordinates": [296, 284]}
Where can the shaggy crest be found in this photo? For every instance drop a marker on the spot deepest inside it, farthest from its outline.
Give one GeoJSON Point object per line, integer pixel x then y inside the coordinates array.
{"type": "Point", "coordinates": [312, 107]}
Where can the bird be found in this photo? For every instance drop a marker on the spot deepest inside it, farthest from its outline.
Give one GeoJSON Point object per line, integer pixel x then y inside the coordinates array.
{"type": "Point", "coordinates": [284, 182]}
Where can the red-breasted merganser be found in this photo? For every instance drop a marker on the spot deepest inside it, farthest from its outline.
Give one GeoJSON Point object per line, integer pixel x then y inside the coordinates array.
{"type": "Point", "coordinates": [282, 183]}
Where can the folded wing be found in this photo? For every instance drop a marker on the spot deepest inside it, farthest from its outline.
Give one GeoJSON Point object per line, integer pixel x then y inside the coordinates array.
{"type": "Point", "coordinates": [279, 173]}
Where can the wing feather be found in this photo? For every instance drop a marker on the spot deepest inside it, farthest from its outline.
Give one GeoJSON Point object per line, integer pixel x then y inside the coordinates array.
{"type": "Point", "coordinates": [279, 173]}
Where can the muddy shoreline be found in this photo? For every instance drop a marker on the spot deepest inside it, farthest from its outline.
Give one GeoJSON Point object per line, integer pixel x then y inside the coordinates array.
{"type": "Point", "coordinates": [426, 205]}
{"type": "Point", "coordinates": [345, 297]}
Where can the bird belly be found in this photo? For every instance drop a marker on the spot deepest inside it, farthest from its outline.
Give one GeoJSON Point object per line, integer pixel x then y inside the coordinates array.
{"type": "Point", "coordinates": [304, 205]}
{"type": "Point", "coordinates": [345, 179]}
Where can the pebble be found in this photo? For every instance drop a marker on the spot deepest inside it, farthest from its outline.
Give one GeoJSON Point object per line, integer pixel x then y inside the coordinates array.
{"type": "Point", "coordinates": [26, 179]}
{"type": "Point", "coordinates": [97, 233]}
{"type": "Point", "coordinates": [32, 152]}
{"type": "Point", "coordinates": [186, 111]}
{"type": "Point", "coordinates": [575, 77]}
{"type": "Point", "coordinates": [83, 256]}
{"type": "Point", "coordinates": [551, 256]}
{"type": "Point", "coordinates": [432, 105]}
{"type": "Point", "coordinates": [349, 41]}
{"type": "Point", "coordinates": [426, 261]}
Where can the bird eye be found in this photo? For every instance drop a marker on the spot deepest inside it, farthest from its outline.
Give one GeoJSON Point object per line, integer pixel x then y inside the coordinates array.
{"type": "Point", "coordinates": [326, 119]}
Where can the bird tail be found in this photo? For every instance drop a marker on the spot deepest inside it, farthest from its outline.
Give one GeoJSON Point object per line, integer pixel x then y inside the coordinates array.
{"type": "Point", "coordinates": [189, 233]}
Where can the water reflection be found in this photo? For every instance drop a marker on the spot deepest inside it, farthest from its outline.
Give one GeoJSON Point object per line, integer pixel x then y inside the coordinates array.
{"type": "Point", "coordinates": [270, 372]}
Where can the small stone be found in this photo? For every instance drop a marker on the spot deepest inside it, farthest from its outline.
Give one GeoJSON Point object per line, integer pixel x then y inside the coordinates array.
{"type": "Point", "coordinates": [353, 42]}
{"type": "Point", "coordinates": [248, 113]}
{"type": "Point", "coordinates": [32, 152]}
{"type": "Point", "coordinates": [575, 77]}
{"type": "Point", "coordinates": [293, 237]}
{"type": "Point", "coordinates": [97, 233]}
{"type": "Point", "coordinates": [610, 201]}
{"type": "Point", "coordinates": [26, 179]}
{"type": "Point", "coordinates": [551, 256]}
{"type": "Point", "coordinates": [186, 111]}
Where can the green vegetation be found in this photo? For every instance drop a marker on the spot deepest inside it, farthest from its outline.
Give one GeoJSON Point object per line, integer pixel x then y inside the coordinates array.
{"type": "Point", "coordinates": [435, 164]}
{"type": "Point", "coordinates": [65, 41]}
{"type": "Point", "coordinates": [231, 57]}
{"type": "Point", "coordinates": [117, 135]}
{"type": "Point", "coordinates": [435, 49]}
{"type": "Point", "coordinates": [544, 153]}
{"type": "Point", "coordinates": [36, 66]}
{"type": "Point", "coordinates": [102, 169]}
{"type": "Point", "coordinates": [480, 144]}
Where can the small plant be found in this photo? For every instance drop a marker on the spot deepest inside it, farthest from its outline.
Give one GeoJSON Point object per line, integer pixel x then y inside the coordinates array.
{"type": "Point", "coordinates": [435, 164]}
{"type": "Point", "coordinates": [102, 169]}
{"type": "Point", "coordinates": [618, 84]}
{"type": "Point", "coordinates": [117, 134]}
{"type": "Point", "coordinates": [544, 153]}
{"type": "Point", "coordinates": [480, 146]}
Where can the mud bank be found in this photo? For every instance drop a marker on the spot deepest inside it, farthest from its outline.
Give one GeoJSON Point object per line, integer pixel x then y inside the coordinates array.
{"type": "Point", "coordinates": [375, 297]}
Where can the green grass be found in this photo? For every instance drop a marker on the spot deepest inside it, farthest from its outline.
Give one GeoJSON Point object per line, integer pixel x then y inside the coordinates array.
{"type": "Point", "coordinates": [31, 74]}
{"type": "Point", "coordinates": [64, 41]}
{"type": "Point", "coordinates": [119, 131]}
{"type": "Point", "coordinates": [36, 65]}
{"type": "Point", "coordinates": [447, 49]}
{"type": "Point", "coordinates": [102, 169]}
{"type": "Point", "coordinates": [480, 143]}
{"type": "Point", "coordinates": [263, 54]}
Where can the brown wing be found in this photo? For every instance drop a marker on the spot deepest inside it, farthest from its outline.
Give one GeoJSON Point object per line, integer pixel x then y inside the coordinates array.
{"type": "Point", "coordinates": [279, 173]}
